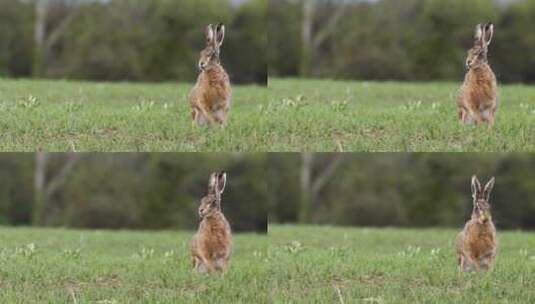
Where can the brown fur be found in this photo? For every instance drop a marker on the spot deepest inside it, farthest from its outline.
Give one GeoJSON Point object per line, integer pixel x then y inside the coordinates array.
{"type": "Point", "coordinates": [211, 245]}
{"type": "Point", "coordinates": [478, 97]}
{"type": "Point", "coordinates": [476, 245]}
{"type": "Point", "coordinates": [210, 98]}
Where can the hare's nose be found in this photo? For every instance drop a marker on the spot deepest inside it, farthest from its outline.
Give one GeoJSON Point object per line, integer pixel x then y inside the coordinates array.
{"type": "Point", "coordinates": [202, 65]}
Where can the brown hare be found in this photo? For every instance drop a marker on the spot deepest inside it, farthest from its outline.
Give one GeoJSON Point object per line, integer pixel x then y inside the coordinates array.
{"type": "Point", "coordinates": [210, 98]}
{"type": "Point", "coordinates": [478, 97]}
{"type": "Point", "coordinates": [476, 244]}
{"type": "Point", "coordinates": [211, 245]}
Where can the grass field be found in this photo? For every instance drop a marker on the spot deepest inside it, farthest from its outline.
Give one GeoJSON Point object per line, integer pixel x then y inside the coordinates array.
{"type": "Point", "coordinates": [59, 115]}
{"type": "Point", "coordinates": [292, 115]}
{"type": "Point", "coordinates": [345, 265]}
{"type": "Point", "coordinates": [61, 266]}
{"type": "Point", "coordinates": [294, 264]}
{"type": "Point", "coordinates": [367, 116]}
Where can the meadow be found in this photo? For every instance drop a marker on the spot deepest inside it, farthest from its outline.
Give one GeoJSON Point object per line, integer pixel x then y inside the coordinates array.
{"type": "Point", "coordinates": [349, 265]}
{"type": "Point", "coordinates": [70, 266]}
{"type": "Point", "coordinates": [291, 115]}
{"type": "Point", "coordinates": [294, 264]}
{"type": "Point", "coordinates": [62, 116]}
{"type": "Point", "coordinates": [391, 116]}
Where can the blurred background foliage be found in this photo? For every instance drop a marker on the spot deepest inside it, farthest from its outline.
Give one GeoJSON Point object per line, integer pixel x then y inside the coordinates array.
{"type": "Point", "coordinates": [408, 190]}
{"type": "Point", "coordinates": [417, 40]}
{"type": "Point", "coordinates": [162, 190]}
{"type": "Point", "coordinates": [129, 191]}
{"type": "Point", "coordinates": [136, 40]}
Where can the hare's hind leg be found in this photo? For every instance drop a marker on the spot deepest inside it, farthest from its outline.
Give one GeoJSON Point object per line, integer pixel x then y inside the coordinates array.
{"type": "Point", "coordinates": [198, 265]}
{"type": "Point", "coordinates": [478, 117]}
{"type": "Point", "coordinates": [201, 120]}
{"type": "Point", "coordinates": [202, 269]}
{"type": "Point", "coordinates": [461, 262]}
{"type": "Point", "coordinates": [492, 115]}
{"type": "Point", "coordinates": [462, 110]}
{"type": "Point", "coordinates": [221, 116]}
{"type": "Point", "coordinates": [465, 264]}
{"type": "Point", "coordinates": [196, 115]}
{"type": "Point", "coordinates": [475, 112]}
{"type": "Point", "coordinates": [202, 265]}
{"type": "Point", "coordinates": [201, 115]}
{"type": "Point", "coordinates": [464, 117]}
{"type": "Point", "coordinates": [196, 262]}
{"type": "Point", "coordinates": [460, 115]}
{"type": "Point", "coordinates": [220, 112]}
{"type": "Point", "coordinates": [486, 261]}
{"type": "Point", "coordinates": [221, 264]}
{"type": "Point", "coordinates": [208, 117]}
{"type": "Point", "coordinates": [206, 265]}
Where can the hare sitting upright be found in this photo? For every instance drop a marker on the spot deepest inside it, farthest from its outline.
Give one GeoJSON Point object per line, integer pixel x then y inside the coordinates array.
{"type": "Point", "coordinates": [210, 98]}
{"type": "Point", "coordinates": [478, 97]}
{"type": "Point", "coordinates": [211, 246]}
{"type": "Point", "coordinates": [476, 244]}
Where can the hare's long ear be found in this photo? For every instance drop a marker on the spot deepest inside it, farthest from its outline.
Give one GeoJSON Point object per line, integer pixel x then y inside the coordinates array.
{"type": "Point", "coordinates": [220, 34]}
{"type": "Point", "coordinates": [210, 34]}
{"type": "Point", "coordinates": [212, 184]}
{"type": "Point", "coordinates": [488, 33]}
{"type": "Point", "coordinates": [476, 187]}
{"type": "Point", "coordinates": [478, 37]}
{"type": "Point", "coordinates": [488, 188]}
{"type": "Point", "coordinates": [221, 182]}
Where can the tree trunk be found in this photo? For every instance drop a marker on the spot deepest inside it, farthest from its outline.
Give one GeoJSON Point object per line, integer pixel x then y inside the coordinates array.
{"type": "Point", "coordinates": [45, 38]}
{"type": "Point", "coordinates": [41, 160]}
{"type": "Point", "coordinates": [312, 40]}
{"type": "Point", "coordinates": [306, 187]}
{"type": "Point", "coordinates": [312, 184]}
{"type": "Point", "coordinates": [307, 50]}
{"type": "Point", "coordinates": [39, 56]}
{"type": "Point", "coordinates": [45, 185]}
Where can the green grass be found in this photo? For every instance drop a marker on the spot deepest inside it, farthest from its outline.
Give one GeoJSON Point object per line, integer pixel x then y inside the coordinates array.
{"type": "Point", "coordinates": [346, 265]}
{"type": "Point", "coordinates": [322, 115]}
{"type": "Point", "coordinates": [292, 115]}
{"type": "Point", "coordinates": [294, 264]}
{"type": "Point", "coordinates": [57, 115]}
{"type": "Point", "coordinates": [64, 266]}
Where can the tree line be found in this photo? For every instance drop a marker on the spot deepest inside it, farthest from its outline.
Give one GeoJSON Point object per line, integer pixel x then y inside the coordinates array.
{"type": "Point", "coordinates": [407, 190]}
{"type": "Point", "coordinates": [417, 40]}
{"type": "Point", "coordinates": [137, 40]}
{"type": "Point", "coordinates": [162, 191]}
{"type": "Point", "coordinates": [128, 191]}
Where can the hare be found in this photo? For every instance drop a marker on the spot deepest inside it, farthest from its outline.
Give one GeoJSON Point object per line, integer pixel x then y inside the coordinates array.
{"type": "Point", "coordinates": [476, 244]}
{"type": "Point", "coordinates": [211, 245]}
{"type": "Point", "coordinates": [478, 97]}
{"type": "Point", "coordinates": [210, 98]}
